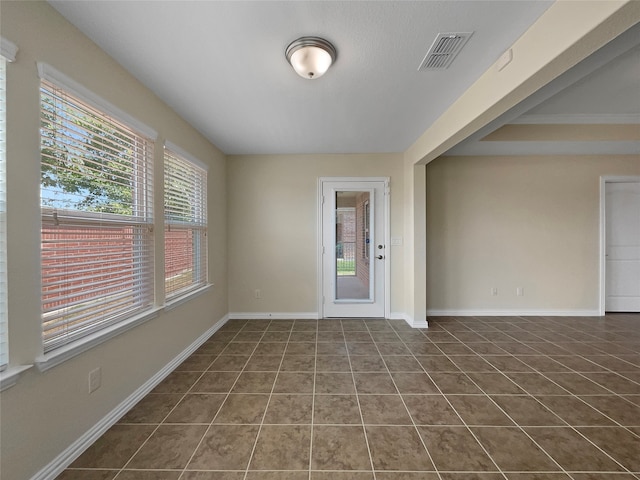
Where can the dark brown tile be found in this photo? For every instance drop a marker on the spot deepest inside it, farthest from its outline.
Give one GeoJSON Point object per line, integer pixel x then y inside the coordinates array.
{"type": "Point", "coordinates": [392, 348]}
{"type": "Point", "coordinates": [229, 363]}
{"type": "Point", "coordinates": [454, 348]}
{"type": "Point", "coordinates": [487, 348]}
{"type": "Point", "coordinates": [538, 476]}
{"type": "Point", "coordinates": [342, 476]}
{"type": "Point", "coordinates": [571, 450]}
{"type": "Point", "coordinates": [603, 476]}
{"type": "Point", "coordinates": [384, 410]}
{"type": "Point", "coordinates": [289, 409]}
{"type": "Point", "coordinates": [281, 475]}
{"type": "Point", "coordinates": [330, 336]}
{"type": "Point", "coordinates": [327, 348]}
{"type": "Point", "coordinates": [271, 336]}
{"type": "Point", "coordinates": [334, 383]}
{"type": "Point", "coordinates": [454, 448]}
{"type": "Point", "coordinates": [577, 364]}
{"type": "Point", "coordinates": [472, 363]}
{"type": "Point", "coordinates": [303, 336]}
{"type": "Point", "coordinates": [282, 447]}
{"type": "Point", "coordinates": [170, 447]}
{"type": "Point", "coordinates": [437, 363]}
{"type": "Point", "coordinates": [512, 450]}
{"type": "Point", "coordinates": [574, 411]}
{"type": "Point", "coordinates": [416, 383]}
{"type": "Point", "coordinates": [87, 475]}
{"type": "Point", "coordinates": [402, 363]}
{"type": "Point", "coordinates": [373, 383]}
{"type": "Point", "coordinates": [358, 336]}
{"type": "Point", "coordinates": [298, 363]}
{"type": "Point", "coordinates": [240, 348]}
{"type": "Point", "coordinates": [149, 475]}
{"type": "Point", "coordinates": [339, 448]}
{"type": "Point", "coordinates": [536, 384]}
{"type": "Point", "coordinates": [300, 348]}
{"type": "Point", "coordinates": [409, 476]}
{"type": "Point", "coordinates": [115, 447]}
{"type": "Point", "coordinates": [454, 383]}
{"type": "Point", "coordinates": [356, 348]}
{"type": "Point", "coordinates": [478, 410]}
{"type": "Point", "coordinates": [225, 447]}
{"type": "Point", "coordinates": [542, 363]}
{"type": "Point", "coordinates": [506, 363]}
{"type": "Point", "coordinates": [177, 382]}
{"type": "Point", "coordinates": [431, 410]}
{"type": "Point", "coordinates": [615, 383]}
{"type": "Point", "coordinates": [332, 363]}
{"type": "Point", "coordinates": [196, 408]}
{"type": "Point", "coordinates": [215, 382]}
{"type": "Point", "coordinates": [263, 363]}
{"type": "Point", "coordinates": [336, 409]}
{"type": "Point", "coordinates": [527, 411]}
{"type": "Point", "coordinates": [288, 382]}
{"type": "Point", "coordinates": [618, 443]}
{"type": "Point", "coordinates": [424, 348]}
{"type": "Point", "coordinates": [495, 383]}
{"type": "Point", "coordinates": [270, 348]}
{"type": "Point", "coordinates": [152, 408]}
{"type": "Point", "coordinates": [368, 363]}
{"type": "Point", "coordinates": [397, 448]}
{"type": "Point", "coordinates": [254, 382]}
{"type": "Point", "coordinates": [196, 363]}
{"type": "Point", "coordinates": [211, 347]}
{"type": "Point", "coordinates": [243, 409]}
{"type": "Point", "coordinates": [616, 408]}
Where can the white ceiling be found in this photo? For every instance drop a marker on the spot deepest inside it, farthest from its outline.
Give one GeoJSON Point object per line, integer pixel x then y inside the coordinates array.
{"type": "Point", "coordinates": [221, 65]}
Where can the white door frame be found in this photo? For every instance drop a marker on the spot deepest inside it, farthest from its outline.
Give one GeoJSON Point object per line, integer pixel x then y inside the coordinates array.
{"type": "Point", "coordinates": [603, 231]}
{"type": "Point", "coordinates": [387, 239]}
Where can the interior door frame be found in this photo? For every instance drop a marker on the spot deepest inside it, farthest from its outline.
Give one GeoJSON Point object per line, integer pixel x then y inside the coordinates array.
{"type": "Point", "coordinates": [603, 231]}
{"type": "Point", "coordinates": [387, 238]}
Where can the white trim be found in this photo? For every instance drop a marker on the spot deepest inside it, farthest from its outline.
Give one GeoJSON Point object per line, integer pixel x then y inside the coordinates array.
{"type": "Point", "coordinates": [387, 238]}
{"type": "Point", "coordinates": [73, 451]}
{"type": "Point", "coordinates": [538, 148]}
{"type": "Point", "coordinates": [576, 119]}
{"type": "Point", "coordinates": [9, 377]}
{"type": "Point", "coordinates": [604, 179]}
{"type": "Point", "coordinates": [65, 352]}
{"type": "Point", "coordinates": [410, 321]}
{"type": "Point", "coordinates": [273, 316]}
{"type": "Point", "coordinates": [47, 72]}
{"type": "Point", "coordinates": [184, 154]}
{"type": "Point", "coordinates": [176, 302]}
{"type": "Point", "coordinates": [513, 313]}
{"type": "Point", "coordinates": [8, 49]}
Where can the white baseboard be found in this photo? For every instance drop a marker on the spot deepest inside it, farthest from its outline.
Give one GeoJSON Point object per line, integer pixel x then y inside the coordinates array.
{"type": "Point", "coordinates": [407, 318]}
{"type": "Point", "coordinates": [273, 315]}
{"type": "Point", "coordinates": [73, 451]}
{"type": "Point", "coordinates": [513, 313]}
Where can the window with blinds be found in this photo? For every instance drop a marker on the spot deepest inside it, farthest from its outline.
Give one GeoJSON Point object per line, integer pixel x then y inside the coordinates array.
{"type": "Point", "coordinates": [97, 231]}
{"type": "Point", "coordinates": [4, 345]}
{"type": "Point", "coordinates": [185, 217]}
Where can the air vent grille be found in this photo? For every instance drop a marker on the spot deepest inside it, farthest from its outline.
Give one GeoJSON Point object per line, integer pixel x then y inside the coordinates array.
{"type": "Point", "coordinates": [443, 50]}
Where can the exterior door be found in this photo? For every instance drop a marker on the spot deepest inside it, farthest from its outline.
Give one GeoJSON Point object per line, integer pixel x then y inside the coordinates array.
{"type": "Point", "coordinates": [622, 261]}
{"type": "Point", "coordinates": [353, 247]}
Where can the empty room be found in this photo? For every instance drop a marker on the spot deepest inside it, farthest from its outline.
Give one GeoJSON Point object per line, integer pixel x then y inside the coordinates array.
{"type": "Point", "coordinates": [320, 240]}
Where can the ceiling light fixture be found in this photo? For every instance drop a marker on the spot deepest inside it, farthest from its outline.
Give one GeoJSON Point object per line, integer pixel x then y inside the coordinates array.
{"type": "Point", "coordinates": [310, 57]}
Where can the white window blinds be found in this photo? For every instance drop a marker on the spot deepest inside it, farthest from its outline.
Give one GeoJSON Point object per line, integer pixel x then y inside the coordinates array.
{"type": "Point", "coordinates": [4, 345]}
{"type": "Point", "coordinates": [185, 216]}
{"type": "Point", "coordinates": [97, 230]}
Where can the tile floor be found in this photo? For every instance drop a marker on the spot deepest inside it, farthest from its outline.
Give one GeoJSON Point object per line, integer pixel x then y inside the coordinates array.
{"type": "Point", "coordinates": [485, 398]}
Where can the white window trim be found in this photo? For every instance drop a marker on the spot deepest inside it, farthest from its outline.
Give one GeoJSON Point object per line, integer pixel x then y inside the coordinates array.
{"type": "Point", "coordinates": [176, 302]}
{"type": "Point", "coordinates": [8, 49]}
{"type": "Point", "coordinates": [10, 376]}
{"type": "Point", "coordinates": [186, 155]}
{"type": "Point", "coordinates": [47, 72]}
{"type": "Point", "coordinates": [70, 350]}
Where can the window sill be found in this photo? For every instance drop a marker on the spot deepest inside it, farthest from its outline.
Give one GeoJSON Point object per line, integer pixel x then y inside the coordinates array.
{"type": "Point", "coordinates": [10, 376]}
{"type": "Point", "coordinates": [171, 304]}
{"type": "Point", "coordinates": [66, 352]}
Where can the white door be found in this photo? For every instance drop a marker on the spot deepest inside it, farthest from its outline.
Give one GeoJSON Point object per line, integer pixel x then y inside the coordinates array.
{"type": "Point", "coordinates": [353, 248]}
{"type": "Point", "coordinates": [622, 213]}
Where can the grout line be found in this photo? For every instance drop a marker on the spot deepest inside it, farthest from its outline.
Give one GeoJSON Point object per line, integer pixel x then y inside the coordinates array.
{"type": "Point", "coordinates": [313, 399]}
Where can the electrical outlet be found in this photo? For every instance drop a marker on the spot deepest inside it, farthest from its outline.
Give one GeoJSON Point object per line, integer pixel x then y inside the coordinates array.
{"type": "Point", "coordinates": [95, 379]}
{"type": "Point", "coordinates": [257, 294]}
{"type": "Point", "coordinates": [520, 291]}
{"type": "Point", "coordinates": [494, 291]}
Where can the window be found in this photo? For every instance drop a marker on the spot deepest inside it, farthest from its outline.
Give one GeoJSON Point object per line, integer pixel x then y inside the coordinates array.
{"type": "Point", "coordinates": [97, 219]}
{"type": "Point", "coordinates": [185, 217]}
{"type": "Point", "coordinates": [4, 349]}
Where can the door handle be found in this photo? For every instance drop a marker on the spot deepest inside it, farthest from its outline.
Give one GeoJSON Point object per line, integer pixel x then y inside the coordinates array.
{"type": "Point", "coordinates": [380, 257]}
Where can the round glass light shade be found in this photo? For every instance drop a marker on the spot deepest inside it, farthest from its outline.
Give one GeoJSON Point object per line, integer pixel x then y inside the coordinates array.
{"type": "Point", "coordinates": [310, 57]}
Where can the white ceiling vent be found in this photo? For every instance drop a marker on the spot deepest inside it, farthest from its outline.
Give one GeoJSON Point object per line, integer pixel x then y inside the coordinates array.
{"type": "Point", "coordinates": [443, 50]}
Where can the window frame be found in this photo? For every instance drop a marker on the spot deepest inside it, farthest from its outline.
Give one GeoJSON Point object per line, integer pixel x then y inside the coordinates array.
{"type": "Point", "coordinates": [60, 350]}
{"type": "Point", "coordinates": [197, 223]}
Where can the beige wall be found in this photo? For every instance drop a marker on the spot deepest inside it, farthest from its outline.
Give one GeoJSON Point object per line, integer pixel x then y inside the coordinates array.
{"type": "Point", "coordinates": [273, 223]}
{"type": "Point", "coordinates": [45, 412]}
{"type": "Point", "coordinates": [509, 222]}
